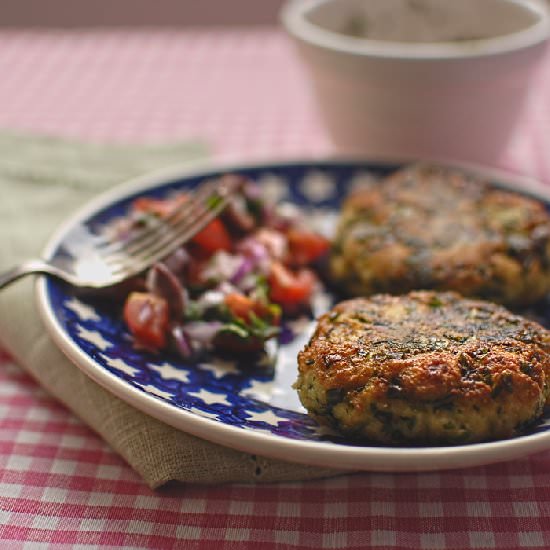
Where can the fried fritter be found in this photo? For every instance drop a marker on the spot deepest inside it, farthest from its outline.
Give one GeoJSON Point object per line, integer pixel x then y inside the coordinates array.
{"type": "Point", "coordinates": [425, 368]}
{"type": "Point", "coordinates": [427, 227]}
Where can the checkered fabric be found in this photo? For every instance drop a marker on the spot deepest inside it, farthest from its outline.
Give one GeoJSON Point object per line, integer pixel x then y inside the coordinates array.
{"type": "Point", "coordinates": [244, 93]}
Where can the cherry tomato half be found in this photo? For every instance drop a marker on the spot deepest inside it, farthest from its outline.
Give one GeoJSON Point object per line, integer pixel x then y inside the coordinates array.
{"type": "Point", "coordinates": [306, 246]}
{"type": "Point", "coordinates": [290, 289]}
{"type": "Point", "coordinates": [147, 318]}
{"type": "Point", "coordinates": [213, 237]}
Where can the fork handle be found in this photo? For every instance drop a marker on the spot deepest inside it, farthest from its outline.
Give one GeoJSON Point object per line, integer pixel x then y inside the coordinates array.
{"type": "Point", "coordinates": [27, 268]}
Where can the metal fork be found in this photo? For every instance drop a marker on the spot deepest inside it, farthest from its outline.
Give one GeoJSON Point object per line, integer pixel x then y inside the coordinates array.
{"type": "Point", "coordinates": [96, 261]}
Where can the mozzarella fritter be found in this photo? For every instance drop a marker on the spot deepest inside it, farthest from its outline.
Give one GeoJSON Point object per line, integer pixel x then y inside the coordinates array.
{"type": "Point", "coordinates": [427, 227]}
{"type": "Point", "coordinates": [425, 368]}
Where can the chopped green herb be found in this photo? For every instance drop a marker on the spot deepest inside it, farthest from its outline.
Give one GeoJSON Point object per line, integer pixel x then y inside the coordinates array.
{"type": "Point", "coordinates": [213, 202]}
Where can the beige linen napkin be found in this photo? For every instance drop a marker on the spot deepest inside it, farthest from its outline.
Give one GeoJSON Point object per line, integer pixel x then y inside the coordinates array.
{"type": "Point", "coordinates": [42, 180]}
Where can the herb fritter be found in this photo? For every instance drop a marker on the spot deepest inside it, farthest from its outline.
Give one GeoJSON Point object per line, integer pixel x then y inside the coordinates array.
{"type": "Point", "coordinates": [427, 227]}
{"type": "Point", "coordinates": [426, 368]}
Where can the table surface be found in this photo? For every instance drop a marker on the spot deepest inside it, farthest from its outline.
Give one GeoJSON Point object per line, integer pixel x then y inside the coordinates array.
{"type": "Point", "coordinates": [244, 93]}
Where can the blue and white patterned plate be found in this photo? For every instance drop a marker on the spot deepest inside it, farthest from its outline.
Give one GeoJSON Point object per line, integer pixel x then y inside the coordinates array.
{"type": "Point", "coordinates": [248, 407]}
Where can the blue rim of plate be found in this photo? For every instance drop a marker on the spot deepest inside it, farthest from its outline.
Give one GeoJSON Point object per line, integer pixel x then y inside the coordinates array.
{"type": "Point", "coordinates": [249, 409]}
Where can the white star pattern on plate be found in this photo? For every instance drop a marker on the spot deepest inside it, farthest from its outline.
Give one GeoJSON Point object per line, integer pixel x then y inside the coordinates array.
{"type": "Point", "coordinates": [317, 186]}
{"type": "Point", "coordinates": [274, 188]}
{"type": "Point", "coordinates": [363, 180]}
{"type": "Point", "coordinates": [93, 337]}
{"type": "Point", "coordinates": [169, 372]}
{"type": "Point", "coordinates": [323, 221]}
{"type": "Point", "coordinates": [259, 390]}
{"type": "Point", "coordinates": [221, 368]}
{"type": "Point", "coordinates": [84, 312]}
{"type": "Point", "coordinates": [267, 416]}
{"type": "Point", "coordinates": [120, 365]}
{"type": "Point", "coordinates": [155, 391]}
{"type": "Point", "coordinates": [209, 397]}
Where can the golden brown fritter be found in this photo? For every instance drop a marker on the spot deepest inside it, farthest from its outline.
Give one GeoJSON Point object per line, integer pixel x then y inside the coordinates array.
{"type": "Point", "coordinates": [427, 227]}
{"type": "Point", "coordinates": [426, 367]}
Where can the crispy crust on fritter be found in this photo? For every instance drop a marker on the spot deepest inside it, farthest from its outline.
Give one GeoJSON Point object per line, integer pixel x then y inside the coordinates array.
{"type": "Point", "coordinates": [426, 367]}
{"type": "Point", "coordinates": [427, 227]}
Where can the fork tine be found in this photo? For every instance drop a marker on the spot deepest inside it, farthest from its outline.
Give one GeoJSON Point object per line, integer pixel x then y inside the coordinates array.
{"type": "Point", "coordinates": [173, 231]}
{"type": "Point", "coordinates": [108, 264]}
{"type": "Point", "coordinates": [181, 229]}
{"type": "Point", "coordinates": [142, 237]}
{"type": "Point", "coordinates": [161, 248]}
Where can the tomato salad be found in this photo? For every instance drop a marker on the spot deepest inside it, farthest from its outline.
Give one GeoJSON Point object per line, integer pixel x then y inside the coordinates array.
{"type": "Point", "coordinates": [229, 287]}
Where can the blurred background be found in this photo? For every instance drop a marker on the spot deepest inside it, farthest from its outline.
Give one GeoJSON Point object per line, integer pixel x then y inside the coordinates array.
{"type": "Point", "coordinates": [74, 13]}
{"type": "Point", "coordinates": [221, 73]}
{"type": "Point", "coordinates": [157, 71]}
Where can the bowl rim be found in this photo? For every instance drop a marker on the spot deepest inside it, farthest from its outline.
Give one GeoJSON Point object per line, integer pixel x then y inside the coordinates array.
{"type": "Point", "coordinates": [293, 16]}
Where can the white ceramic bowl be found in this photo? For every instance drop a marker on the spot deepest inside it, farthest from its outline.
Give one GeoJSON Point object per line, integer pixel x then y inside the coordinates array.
{"type": "Point", "coordinates": [442, 79]}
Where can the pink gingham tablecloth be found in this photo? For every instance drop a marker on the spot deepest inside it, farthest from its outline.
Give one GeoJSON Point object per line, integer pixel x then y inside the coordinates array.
{"type": "Point", "coordinates": [243, 92]}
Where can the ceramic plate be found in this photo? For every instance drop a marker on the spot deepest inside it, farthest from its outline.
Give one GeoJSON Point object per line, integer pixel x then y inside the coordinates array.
{"type": "Point", "coordinates": [247, 407]}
